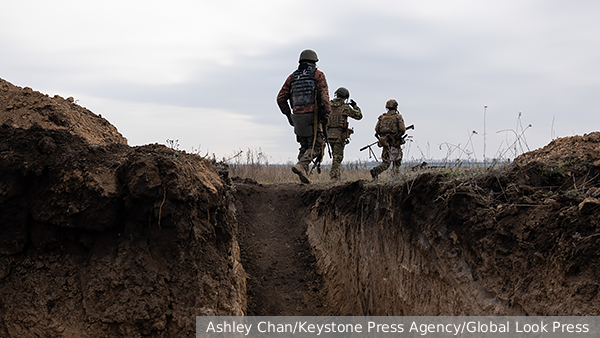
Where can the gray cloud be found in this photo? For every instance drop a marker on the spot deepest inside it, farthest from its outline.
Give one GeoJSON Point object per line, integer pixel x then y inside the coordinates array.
{"type": "Point", "coordinates": [538, 58]}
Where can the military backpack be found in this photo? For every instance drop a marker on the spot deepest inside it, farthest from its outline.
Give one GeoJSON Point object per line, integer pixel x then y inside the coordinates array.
{"type": "Point", "coordinates": [388, 124]}
{"type": "Point", "coordinates": [303, 87]}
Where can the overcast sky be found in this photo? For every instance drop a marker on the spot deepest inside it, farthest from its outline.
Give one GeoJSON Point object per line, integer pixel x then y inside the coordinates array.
{"type": "Point", "coordinates": [207, 73]}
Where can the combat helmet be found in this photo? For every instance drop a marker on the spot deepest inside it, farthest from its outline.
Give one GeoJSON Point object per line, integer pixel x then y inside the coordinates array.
{"type": "Point", "coordinates": [391, 104]}
{"type": "Point", "coordinates": [308, 55]}
{"type": "Point", "coordinates": [342, 93]}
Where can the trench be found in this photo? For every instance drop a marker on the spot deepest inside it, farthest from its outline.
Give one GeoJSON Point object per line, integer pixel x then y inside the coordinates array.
{"type": "Point", "coordinates": [275, 252]}
{"type": "Point", "coordinates": [416, 249]}
{"type": "Point", "coordinates": [345, 251]}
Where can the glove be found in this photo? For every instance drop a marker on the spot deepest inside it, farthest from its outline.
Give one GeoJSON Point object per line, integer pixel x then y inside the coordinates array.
{"type": "Point", "coordinates": [353, 103]}
{"type": "Point", "coordinates": [290, 121]}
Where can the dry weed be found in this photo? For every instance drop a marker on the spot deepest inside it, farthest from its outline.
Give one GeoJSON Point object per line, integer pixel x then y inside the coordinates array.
{"type": "Point", "coordinates": [254, 164]}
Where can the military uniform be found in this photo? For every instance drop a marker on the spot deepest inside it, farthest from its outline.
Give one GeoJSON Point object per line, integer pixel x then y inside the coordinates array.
{"type": "Point", "coordinates": [338, 131]}
{"type": "Point", "coordinates": [389, 131]}
{"type": "Point", "coordinates": [306, 89]}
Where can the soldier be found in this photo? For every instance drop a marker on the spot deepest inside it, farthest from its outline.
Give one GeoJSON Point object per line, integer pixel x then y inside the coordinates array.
{"type": "Point", "coordinates": [306, 89]}
{"type": "Point", "coordinates": [389, 131]}
{"type": "Point", "coordinates": [337, 129]}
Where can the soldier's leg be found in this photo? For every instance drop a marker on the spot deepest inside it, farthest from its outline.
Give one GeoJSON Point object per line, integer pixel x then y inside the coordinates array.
{"type": "Point", "coordinates": [311, 153]}
{"type": "Point", "coordinates": [397, 160]}
{"type": "Point", "coordinates": [304, 158]}
{"type": "Point", "coordinates": [337, 149]}
{"type": "Point", "coordinates": [305, 143]}
{"type": "Point", "coordinates": [385, 157]}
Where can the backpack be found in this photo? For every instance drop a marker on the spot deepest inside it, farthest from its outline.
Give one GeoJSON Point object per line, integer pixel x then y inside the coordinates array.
{"type": "Point", "coordinates": [303, 88]}
{"type": "Point", "coordinates": [387, 124]}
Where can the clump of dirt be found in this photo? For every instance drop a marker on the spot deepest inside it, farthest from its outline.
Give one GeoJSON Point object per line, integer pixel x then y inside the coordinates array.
{"type": "Point", "coordinates": [102, 239]}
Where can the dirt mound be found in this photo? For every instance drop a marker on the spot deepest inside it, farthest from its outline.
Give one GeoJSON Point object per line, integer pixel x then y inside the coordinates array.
{"type": "Point", "coordinates": [24, 108]}
{"type": "Point", "coordinates": [584, 148]}
{"type": "Point", "coordinates": [101, 239]}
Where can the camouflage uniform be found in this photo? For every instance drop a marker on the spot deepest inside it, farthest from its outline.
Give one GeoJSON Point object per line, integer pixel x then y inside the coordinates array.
{"type": "Point", "coordinates": [389, 130]}
{"type": "Point", "coordinates": [338, 131]}
{"type": "Point", "coordinates": [307, 106]}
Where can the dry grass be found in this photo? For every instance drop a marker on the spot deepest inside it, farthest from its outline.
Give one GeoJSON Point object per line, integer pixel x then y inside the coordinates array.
{"type": "Point", "coordinates": [253, 164]}
{"type": "Point", "coordinates": [460, 162]}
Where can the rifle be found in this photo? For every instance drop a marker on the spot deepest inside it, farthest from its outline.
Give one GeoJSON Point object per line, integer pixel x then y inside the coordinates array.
{"type": "Point", "coordinates": [371, 152]}
{"type": "Point", "coordinates": [397, 135]}
{"type": "Point", "coordinates": [412, 126]}
{"type": "Point", "coordinates": [322, 120]}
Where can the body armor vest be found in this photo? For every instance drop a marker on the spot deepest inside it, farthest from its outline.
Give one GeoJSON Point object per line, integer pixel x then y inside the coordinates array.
{"type": "Point", "coordinates": [303, 87]}
{"type": "Point", "coordinates": [336, 118]}
{"type": "Point", "coordinates": [388, 125]}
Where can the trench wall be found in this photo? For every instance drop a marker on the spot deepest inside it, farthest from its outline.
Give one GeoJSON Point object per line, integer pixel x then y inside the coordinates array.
{"type": "Point", "coordinates": [112, 240]}
{"type": "Point", "coordinates": [425, 249]}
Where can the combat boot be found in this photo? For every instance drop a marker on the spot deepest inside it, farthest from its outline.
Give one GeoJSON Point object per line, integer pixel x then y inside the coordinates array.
{"type": "Point", "coordinates": [374, 173]}
{"type": "Point", "coordinates": [299, 170]}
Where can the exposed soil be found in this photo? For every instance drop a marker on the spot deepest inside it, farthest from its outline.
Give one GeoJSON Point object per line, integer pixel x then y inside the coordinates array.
{"type": "Point", "coordinates": [520, 241]}
{"type": "Point", "coordinates": [282, 271]}
{"type": "Point", "coordinates": [102, 239]}
{"type": "Point", "coordinates": [105, 240]}
{"type": "Point", "coordinates": [24, 108]}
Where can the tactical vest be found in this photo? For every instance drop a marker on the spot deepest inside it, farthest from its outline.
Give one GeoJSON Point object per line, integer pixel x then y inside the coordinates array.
{"type": "Point", "coordinates": [337, 118]}
{"type": "Point", "coordinates": [388, 124]}
{"type": "Point", "coordinates": [303, 87]}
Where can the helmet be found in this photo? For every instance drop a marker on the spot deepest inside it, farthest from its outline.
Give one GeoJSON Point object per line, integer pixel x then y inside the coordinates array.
{"type": "Point", "coordinates": [342, 93]}
{"type": "Point", "coordinates": [391, 104]}
{"type": "Point", "coordinates": [308, 55]}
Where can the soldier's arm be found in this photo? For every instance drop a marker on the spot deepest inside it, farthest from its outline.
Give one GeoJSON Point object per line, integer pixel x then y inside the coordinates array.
{"type": "Point", "coordinates": [283, 96]}
{"type": "Point", "coordinates": [321, 83]}
{"type": "Point", "coordinates": [354, 113]}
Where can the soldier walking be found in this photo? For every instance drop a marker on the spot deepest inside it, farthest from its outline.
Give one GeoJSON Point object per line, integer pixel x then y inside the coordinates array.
{"type": "Point", "coordinates": [389, 131]}
{"type": "Point", "coordinates": [306, 89]}
{"type": "Point", "coordinates": [338, 131]}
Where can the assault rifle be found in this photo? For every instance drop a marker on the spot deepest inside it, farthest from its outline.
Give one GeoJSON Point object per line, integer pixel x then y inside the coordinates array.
{"type": "Point", "coordinates": [372, 153]}
{"type": "Point", "coordinates": [322, 120]}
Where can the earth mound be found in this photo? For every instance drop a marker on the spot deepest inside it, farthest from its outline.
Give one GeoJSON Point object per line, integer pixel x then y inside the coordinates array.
{"type": "Point", "coordinates": [24, 108]}
{"type": "Point", "coordinates": [583, 148]}
{"type": "Point", "coordinates": [102, 239]}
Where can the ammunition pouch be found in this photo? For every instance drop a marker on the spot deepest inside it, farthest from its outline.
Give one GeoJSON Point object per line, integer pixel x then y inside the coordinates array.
{"type": "Point", "coordinates": [303, 124]}
{"type": "Point", "coordinates": [334, 134]}
{"type": "Point", "coordinates": [391, 140]}
{"type": "Point", "coordinates": [336, 119]}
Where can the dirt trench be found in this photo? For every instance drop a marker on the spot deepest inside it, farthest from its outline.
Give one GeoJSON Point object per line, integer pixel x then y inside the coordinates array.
{"type": "Point", "coordinates": [518, 240]}
{"type": "Point", "coordinates": [283, 278]}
